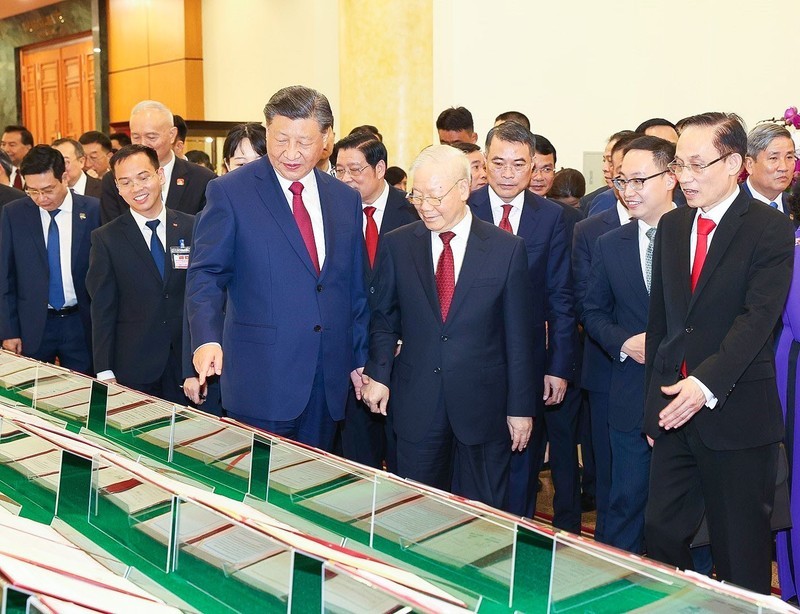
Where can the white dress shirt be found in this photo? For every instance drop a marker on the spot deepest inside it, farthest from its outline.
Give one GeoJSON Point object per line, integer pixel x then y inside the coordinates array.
{"type": "Point", "coordinates": [168, 168]}
{"type": "Point", "coordinates": [13, 176]}
{"type": "Point", "coordinates": [380, 209]}
{"type": "Point", "coordinates": [80, 185]}
{"type": "Point", "coordinates": [623, 213]}
{"type": "Point", "coordinates": [497, 208]}
{"type": "Point", "coordinates": [161, 229]}
{"type": "Point", "coordinates": [458, 244]}
{"type": "Point", "coordinates": [64, 223]}
{"type": "Point", "coordinates": [758, 196]}
{"type": "Point", "coordinates": [312, 203]}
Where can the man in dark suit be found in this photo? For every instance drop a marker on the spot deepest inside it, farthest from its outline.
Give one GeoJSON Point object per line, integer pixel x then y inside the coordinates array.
{"type": "Point", "coordinates": [462, 388]}
{"type": "Point", "coordinates": [361, 164]}
{"type": "Point", "coordinates": [7, 193]}
{"type": "Point", "coordinates": [615, 315]}
{"type": "Point", "coordinates": [770, 163]}
{"type": "Point", "coordinates": [185, 183]}
{"type": "Point", "coordinates": [74, 158]}
{"type": "Point", "coordinates": [721, 272]}
{"type": "Point", "coordinates": [136, 278]}
{"type": "Point", "coordinates": [282, 243]}
{"type": "Point", "coordinates": [17, 141]}
{"type": "Point", "coordinates": [508, 203]}
{"type": "Point", "coordinates": [44, 256]}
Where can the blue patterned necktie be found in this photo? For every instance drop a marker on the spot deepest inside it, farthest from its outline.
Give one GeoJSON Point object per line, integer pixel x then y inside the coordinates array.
{"type": "Point", "coordinates": [648, 258]}
{"type": "Point", "coordinates": [774, 205]}
{"type": "Point", "coordinates": [55, 294]}
{"type": "Point", "coordinates": [155, 247]}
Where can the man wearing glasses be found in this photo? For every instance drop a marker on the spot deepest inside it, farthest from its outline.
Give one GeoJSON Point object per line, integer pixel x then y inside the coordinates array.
{"type": "Point", "coordinates": [137, 280]}
{"type": "Point", "coordinates": [44, 256]}
{"type": "Point", "coordinates": [721, 272]}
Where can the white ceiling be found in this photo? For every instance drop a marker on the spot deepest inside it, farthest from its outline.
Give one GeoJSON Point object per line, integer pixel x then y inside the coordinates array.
{"type": "Point", "coordinates": [8, 8]}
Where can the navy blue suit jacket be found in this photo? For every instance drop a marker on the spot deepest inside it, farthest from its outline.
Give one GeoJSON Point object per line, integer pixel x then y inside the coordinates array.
{"type": "Point", "coordinates": [25, 274]}
{"type": "Point", "coordinates": [786, 208]}
{"type": "Point", "coordinates": [544, 231]}
{"type": "Point", "coordinates": [615, 310]}
{"type": "Point", "coordinates": [279, 313]}
{"type": "Point", "coordinates": [596, 368]}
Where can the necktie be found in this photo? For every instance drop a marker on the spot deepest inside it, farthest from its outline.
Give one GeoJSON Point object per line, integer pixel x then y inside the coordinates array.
{"type": "Point", "coordinates": [371, 235]}
{"type": "Point", "coordinates": [505, 224]}
{"type": "Point", "coordinates": [303, 220]}
{"type": "Point", "coordinates": [18, 181]}
{"type": "Point", "coordinates": [704, 228]}
{"type": "Point", "coordinates": [774, 205]}
{"type": "Point", "coordinates": [446, 274]}
{"type": "Point", "coordinates": [156, 249]}
{"type": "Point", "coordinates": [55, 294]}
{"type": "Point", "coordinates": [648, 258]}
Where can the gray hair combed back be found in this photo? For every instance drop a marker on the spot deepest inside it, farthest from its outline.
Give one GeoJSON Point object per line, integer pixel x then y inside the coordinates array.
{"type": "Point", "coordinates": [300, 102]}
{"type": "Point", "coordinates": [153, 105]}
{"type": "Point", "coordinates": [762, 135]}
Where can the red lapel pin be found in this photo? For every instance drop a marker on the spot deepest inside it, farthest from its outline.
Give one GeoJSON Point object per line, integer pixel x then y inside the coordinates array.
{"type": "Point", "coordinates": [180, 181]}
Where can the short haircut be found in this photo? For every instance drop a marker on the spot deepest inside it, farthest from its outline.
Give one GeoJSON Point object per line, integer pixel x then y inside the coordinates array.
{"type": "Point", "coordinates": [300, 102]}
{"type": "Point", "coordinates": [512, 132]}
{"type": "Point", "coordinates": [153, 105]}
{"type": "Point", "coordinates": [93, 136]}
{"type": "Point", "coordinates": [618, 135]}
{"type": "Point", "coordinates": [455, 119]}
{"type": "Point", "coordinates": [662, 150]}
{"type": "Point", "coordinates": [197, 156]}
{"type": "Point", "coordinates": [467, 148]}
{"type": "Point", "coordinates": [123, 138]}
{"type": "Point", "coordinates": [444, 154]}
{"type": "Point", "coordinates": [622, 142]}
{"type": "Point", "coordinates": [25, 135]}
{"type": "Point", "coordinates": [568, 182]}
{"type": "Point", "coordinates": [394, 175]}
{"type": "Point", "coordinates": [729, 133]}
{"type": "Point", "coordinates": [79, 153]}
{"type": "Point", "coordinates": [514, 116]}
{"type": "Point", "coordinates": [762, 135]}
{"type": "Point", "coordinates": [544, 147]}
{"type": "Point", "coordinates": [652, 123]}
{"type": "Point", "coordinates": [5, 163]}
{"type": "Point", "coordinates": [374, 150]}
{"type": "Point", "coordinates": [180, 124]}
{"type": "Point", "coordinates": [253, 132]}
{"type": "Point", "coordinates": [43, 158]}
{"type": "Point", "coordinates": [131, 150]}
{"type": "Point", "coordinates": [368, 128]}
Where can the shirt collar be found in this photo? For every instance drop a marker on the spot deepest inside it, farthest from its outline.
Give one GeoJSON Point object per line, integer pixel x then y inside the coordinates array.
{"type": "Point", "coordinates": [462, 228]}
{"type": "Point", "coordinates": [496, 201]}
{"type": "Point", "coordinates": [622, 212]}
{"type": "Point", "coordinates": [759, 196]}
{"type": "Point", "coordinates": [716, 213]}
{"type": "Point", "coordinates": [380, 202]}
{"type": "Point", "coordinates": [309, 182]}
{"type": "Point", "coordinates": [171, 164]}
{"type": "Point", "coordinates": [141, 220]}
{"type": "Point", "coordinates": [80, 185]}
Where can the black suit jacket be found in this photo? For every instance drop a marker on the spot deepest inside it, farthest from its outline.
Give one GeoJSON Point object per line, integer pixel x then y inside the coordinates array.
{"type": "Point", "coordinates": [8, 194]}
{"type": "Point", "coordinates": [187, 191]}
{"type": "Point", "coordinates": [94, 187]}
{"type": "Point", "coordinates": [722, 329]}
{"type": "Point", "coordinates": [480, 361]}
{"type": "Point", "coordinates": [25, 273]}
{"type": "Point", "coordinates": [136, 316]}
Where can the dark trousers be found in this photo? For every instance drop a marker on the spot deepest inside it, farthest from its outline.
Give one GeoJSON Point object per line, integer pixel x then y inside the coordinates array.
{"type": "Point", "coordinates": [630, 475]}
{"type": "Point", "coordinates": [64, 338]}
{"type": "Point", "coordinates": [736, 490]}
{"type": "Point", "coordinates": [169, 386]}
{"type": "Point", "coordinates": [587, 450]}
{"type": "Point", "coordinates": [367, 438]}
{"type": "Point", "coordinates": [601, 446]}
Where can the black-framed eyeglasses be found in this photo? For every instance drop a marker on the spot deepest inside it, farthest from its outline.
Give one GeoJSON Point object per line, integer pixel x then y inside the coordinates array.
{"type": "Point", "coordinates": [433, 201]}
{"type": "Point", "coordinates": [635, 184]}
{"type": "Point", "coordinates": [354, 172]}
{"type": "Point", "coordinates": [696, 169]}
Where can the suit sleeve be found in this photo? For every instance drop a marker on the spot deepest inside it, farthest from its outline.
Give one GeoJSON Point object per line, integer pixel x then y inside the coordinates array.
{"type": "Point", "coordinates": [358, 298]}
{"type": "Point", "coordinates": [581, 264]}
{"type": "Point", "coordinates": [101, 283]}
{"type": "Point", "coordinates": [518, 316]}
{"type": "Point", "coordinates": [560, 312]}
{"type": "Point", "coordinates": [657, 314]}
{"type": "Point", "coordinates": [111, 204]}
{"type": "Point", "coordinates": [385, 325]}
{"type": "Point", "coordinates": [9, 315]}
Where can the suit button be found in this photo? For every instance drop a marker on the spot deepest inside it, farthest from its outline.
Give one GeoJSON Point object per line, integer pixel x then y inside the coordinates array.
{"type": "Point", "coordinates": [443, 337]}
{"type": "Point", "coordinates": [437, 370]}
{"type": "Point", "coordinates": [317, 328]}
{"type": "Point", "coordinates": [689, 330]}
{"type": "Point", "coordinates": [372, 289]}
{"type": "Point", "coordinates": [166, 295]}
{"type": "Point", "coordinates": [319, 288]}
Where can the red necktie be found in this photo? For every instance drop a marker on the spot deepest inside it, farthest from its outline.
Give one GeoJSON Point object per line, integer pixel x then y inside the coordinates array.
{"type": "Point", "coordinates": [18, 180]}
{"type": "Point", "coordinates": [303, 220]}
{"type": "Point", "coordinates": [446, 274]}
{"type": "Point", "coordinates": [505, 224]}
{"type": "Point", "coordinates": [371, 235]}
{"type": "Point", "coordinates": [704, 228]}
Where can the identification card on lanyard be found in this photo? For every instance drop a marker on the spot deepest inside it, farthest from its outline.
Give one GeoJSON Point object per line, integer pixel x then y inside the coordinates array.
{"type": "Point", "coordinates": [180, 256]}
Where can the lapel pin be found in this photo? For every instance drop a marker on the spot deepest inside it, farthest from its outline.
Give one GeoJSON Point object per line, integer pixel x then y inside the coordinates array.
{"type": "Point", "coordinates": [174, 224]}
{"type": "Point", "coordinates": [82, 215]}
{"type": "Point", "coordinates": [180, 181]}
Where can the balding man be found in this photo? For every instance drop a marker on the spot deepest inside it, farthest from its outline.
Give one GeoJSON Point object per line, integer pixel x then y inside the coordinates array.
{"type": "Point", "coordinates": [184, 189]}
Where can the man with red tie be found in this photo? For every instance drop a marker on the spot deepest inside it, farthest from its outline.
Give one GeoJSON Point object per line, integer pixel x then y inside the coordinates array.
{"type": "Point", "coordinates": [16, 142]}
{"type": "Point", "coordinates": [721, 271]}
{"type": "Point", "coordinates": [361, 163]}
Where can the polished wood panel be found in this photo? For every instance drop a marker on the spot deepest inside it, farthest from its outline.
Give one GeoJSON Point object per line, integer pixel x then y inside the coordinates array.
{"type": "Point", "coordinates": [126, 88]}
{"type": "Point", "coordinates": [127, 35]}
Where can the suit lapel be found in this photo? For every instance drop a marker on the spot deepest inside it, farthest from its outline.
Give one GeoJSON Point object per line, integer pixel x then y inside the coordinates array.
{"type": "Point", "coordinates": [630, 262]}
{"type": "Point", "coordinates": [683, 249]}
{"type": "Point", "coordinates": [474, 259]}
{"type": "Point", "coordinates": [423, 261]}
{"type": "Point", "coordinates": [527, 220]}
{"type": "Point", "coordinates": [175, 232]}
{"type": "Point", "coordinates": [328, 224]}
{"type": "Point", "coordinates": [33, 221]}
{"type": "Point", "coordinates": [177, 183]}
{"type": "Point", "coordinates": [78, 229]}
{"type": "Point", "coordinates": [134, 236]}
{"type": "Point", "coordinates": [480, 205]}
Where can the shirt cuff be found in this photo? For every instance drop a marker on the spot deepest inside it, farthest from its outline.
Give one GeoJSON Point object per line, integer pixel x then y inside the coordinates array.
{"type": "Point", "coordinates": [219, 345]}
{"type": "Point", "coordinates": [711, 400]}
{"type": "Point", "coordinates": [106, 375]}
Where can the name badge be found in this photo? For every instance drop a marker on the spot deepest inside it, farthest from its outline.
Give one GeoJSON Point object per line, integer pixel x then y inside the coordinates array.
{"type": "Point", "coordinates": [180, 257]}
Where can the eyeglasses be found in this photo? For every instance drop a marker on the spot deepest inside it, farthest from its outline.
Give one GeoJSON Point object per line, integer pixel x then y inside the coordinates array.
{"type": "Point", "coordinates": [354, 172]}
{"type": "Point", "coordinates": [141, 179]}
{"type": "Point", "coordinates": [545, 170]}
{"type": "Point", "coordinates": [696, 169]}
{"type": "Point", "coordinates": [517, 167]}
{"type": "Point", "coordinates": [635, 184]}
{"type": "Point", "coordinates": [433, 201]}
{"type": "Point", "coordinates": [34, 194]}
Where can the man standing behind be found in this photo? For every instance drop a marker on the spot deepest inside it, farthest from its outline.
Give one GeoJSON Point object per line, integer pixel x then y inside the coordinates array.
{"type": "Point", "coordinates": [185, 183]}
{"type": "Point", "coordinates": [7, 193]}
{"type": "Point", "coordinates": [44, 256]}
{"type": "Point", "coordinates": [74, 158]}
{"type": "Point", "coordinates": [455, 125]}
{"type": "Point", "coordinates": [282, 242]}
{"type": "Point", "coordinates": [361, 164]}
{"type": "Point", "coordinates": [98, 149]}
{"type": "Point", "coordinates": [136, 278]}
{"type": "Point", "coordinates": [462, 386]}
{"type": "Point", "coordinates": [770, 162]}
{"type": "Point", "coordinates": [17, 142]}
{"type": "Point", "coordinates": [721, 271]}
{"type": "Point", "coordinates": [615, 316]}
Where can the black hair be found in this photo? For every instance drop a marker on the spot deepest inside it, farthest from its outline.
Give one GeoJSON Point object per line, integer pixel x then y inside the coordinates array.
{"type": "Point", "coordinates": [253, 132]}
{"type": "Point", "coordinates": [43, 158]}
{"type": "Point", "coordinates": [131, 150]}
{"type": "Point", "coordinates": [94, 136]}
{"type": "Point", "coordinates": [25, 135]}
{"type": "Point", "coordinates": [455, 119]}
{"type": "Point", "coordinates": [374, 150]}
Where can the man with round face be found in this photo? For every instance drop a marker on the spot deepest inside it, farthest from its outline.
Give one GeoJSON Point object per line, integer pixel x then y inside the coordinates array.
{"type": "Point", "coordinates": [276, 285]}
{"type": "Point", "coordinates": [16, 143]}
{"type": "Point", "coordinates": [45, 311]}
{"type": "Point", "coordinates": [74, 158]}
{"type": "Point", "coordinates": [721, 272]}
{"type": "Point", "coordinates": [770, 163]}
{"type": "Point", "coordinates": [136, 278]}
{"type": "Point", "coordinates": [461, 387]}
{"type": "Point", "coordinates": [477, 164]}
{"type": "Point", "coordinates": [544, 166]}
{"type": "Point", "coordinates": [98, 149]}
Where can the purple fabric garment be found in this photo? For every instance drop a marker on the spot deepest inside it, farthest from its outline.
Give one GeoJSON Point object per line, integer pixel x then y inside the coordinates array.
{"type": "Point", "coordinates": [788, 542]}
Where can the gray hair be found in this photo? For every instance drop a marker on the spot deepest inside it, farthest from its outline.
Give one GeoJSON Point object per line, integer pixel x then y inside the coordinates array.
{"type": "Point", "coordinates": [5, 163]}
{"type": "Point", "coordinates": [153, 105]}
{"type": "Point", "coordinates": [512, 132]}
{"type": "Point", "coordinates": [762, 135]}
{"type": "Point", "coordinates": [444, 155]}
{"type": "Point", "coordinates": [79, 153]}
{"type": "Point", "coordinates": [300, 102]}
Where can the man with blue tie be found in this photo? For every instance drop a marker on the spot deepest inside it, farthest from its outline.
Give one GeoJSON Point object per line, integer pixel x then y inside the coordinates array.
{"type": "Point", "coordinates": [770, 162]}
{"type": "Point", "coordinates": [44, 255]}
{"type": "Point", "coordinates": [282, 242]}
{"type": "Point", "coordinates": [615, 315]}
